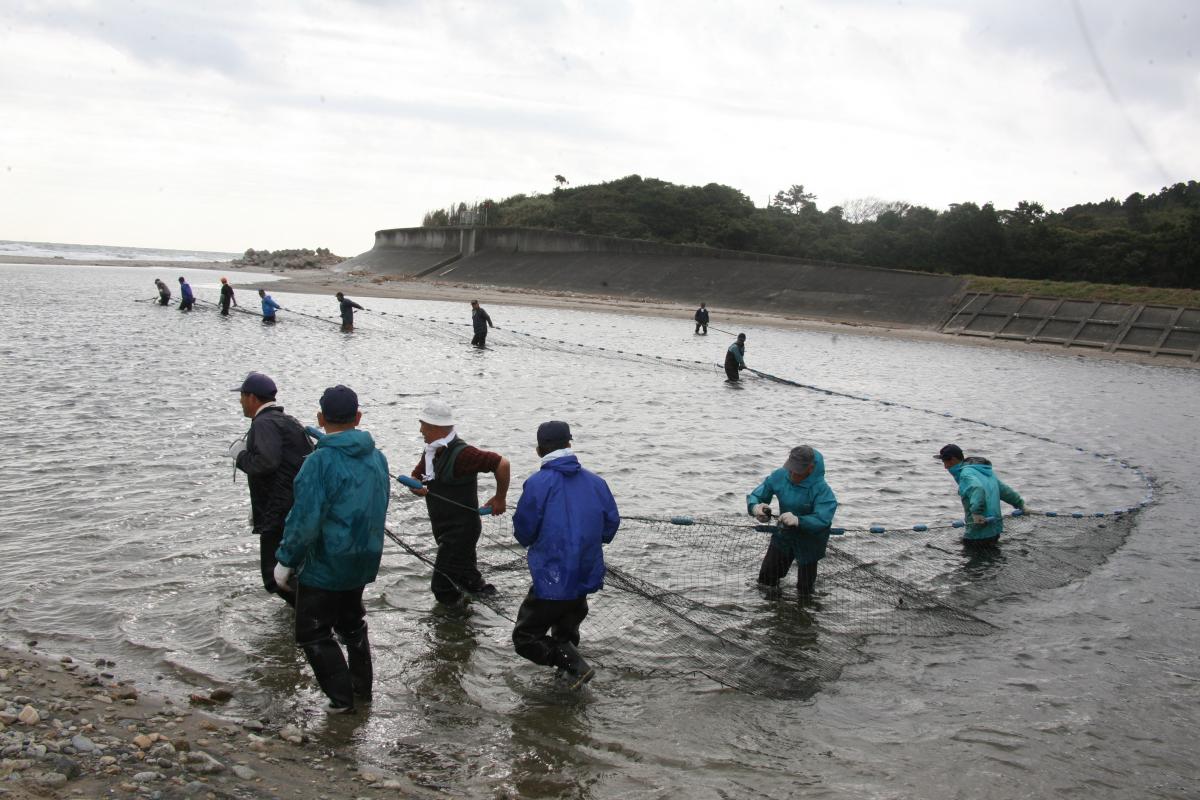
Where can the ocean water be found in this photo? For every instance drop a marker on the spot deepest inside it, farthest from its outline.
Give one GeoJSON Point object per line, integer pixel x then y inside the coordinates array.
{"type": "Point", "coordinates": [99, 252]}
{"type": "Point", "coordinates": [123, 534]}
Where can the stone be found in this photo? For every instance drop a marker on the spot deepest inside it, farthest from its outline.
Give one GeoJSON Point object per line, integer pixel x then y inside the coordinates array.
{"type": "Point", "coordinates": [15, 764]}
{"type": "Point", "coordinates": [52, 779]}
{"type": "Point", "coordinates": [162, 750]}
{"type": "Point", "coordinates": [181, 745]}
{"type": "Point", "coordinates": [291, 733]}
{"type": "Point", "coordinates": [198, 699]}
{"type": "Point", "coordinates": [28, 716]}
{"type": "Point", "coordinates": [203, 763]}
{"type": "Point", "coordinates": [123, 693]}
{"type": "Point", "coordinates": [244, 772]}
{"type": "Point", "coordinates": [36, 751]}
{"type": "Point", "coordinates": [143, 741]}
{"type": "Point", "coordinates": [66, 766]}
{"type": "Point", "coordinates": [146, 777]}
{"type": "Point", "coordinates": [220, 695]}
{"type": "Point", "coordinates": [253, 725]}
{"type": "Point", "coordinates": [195, 789]}
{"type": "Point", "coordinates": [83, 744]}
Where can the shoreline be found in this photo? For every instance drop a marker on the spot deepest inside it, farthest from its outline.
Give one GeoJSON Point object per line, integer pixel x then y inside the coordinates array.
{"type": "Point", "coordinates": [325, 281]}
{"type": "Point", "coordinates": [70, 729]}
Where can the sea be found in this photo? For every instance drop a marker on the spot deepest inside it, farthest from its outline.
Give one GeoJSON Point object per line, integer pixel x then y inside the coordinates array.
{"type": "Point", "coordinates": [124, 536]}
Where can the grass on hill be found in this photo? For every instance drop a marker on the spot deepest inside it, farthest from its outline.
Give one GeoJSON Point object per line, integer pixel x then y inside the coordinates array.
{"type": "Point", "coordinates": [1081, 290]}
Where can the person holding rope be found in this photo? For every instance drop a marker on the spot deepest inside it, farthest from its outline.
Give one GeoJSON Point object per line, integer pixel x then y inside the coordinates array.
{"type": "Point", "coordinates": [981, 492]}
{"type": "Point", "coordinates": [331, 549]}
{"type": "Point", "coordinates": [806, 509]}
{"type": "Point", "coordinates": [735, 359]}
{"type": "Point", "coordinates": [480, 322]}
{"type": "Point", "coordinates": [269, 307]}
{"type": "Point", "coordinates": [227, 297]}
{"type": "Point", "coordinates": [449, 472]}
{"type": "Point", "coordinates": [564, 517]}
{"type": "Point", "coordinates": [164, 293]}
{"type": "Point", "coordinates": [701, 317]}
{"type": "Point", "coordinates": [347, 307]}
{"type": "Point", "coordinates": [270, 454]}
{"type": "Point", "coordinates": [187, 299]}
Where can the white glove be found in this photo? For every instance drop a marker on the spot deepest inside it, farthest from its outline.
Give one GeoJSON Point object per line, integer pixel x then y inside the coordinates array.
{"type": "Point", "coordinates": [978, 519]}
{"type": "Point", "coordinates": [282, 574]}
{"type": "Point", "coordinates": [789, 519]}
{"type": "Point", "coordinates": [762, 512]}
{"type": "Point", "coordinates": [236, 449]}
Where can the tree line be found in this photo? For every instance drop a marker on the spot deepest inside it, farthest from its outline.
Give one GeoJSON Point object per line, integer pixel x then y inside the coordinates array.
{"type": "Point", "coordinates": [1146, 240]}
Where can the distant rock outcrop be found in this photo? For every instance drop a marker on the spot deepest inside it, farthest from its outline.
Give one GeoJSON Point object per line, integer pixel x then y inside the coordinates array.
{"type": "Point", "coordinates": [288, 259]}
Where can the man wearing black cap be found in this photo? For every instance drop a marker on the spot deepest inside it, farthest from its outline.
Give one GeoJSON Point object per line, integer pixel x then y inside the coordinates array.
{"type": "Point", "coordinates": [565, 516]}
{"type": "Point", "coordinates": [187, 299]}
{"type": "Point", "coordinates": [347, 306]}
{"type": "Point", "coordinates": [735, 359]}
{"type": "Point", "coordinates": [981, 492]}
{"type": "Point", "coordinates": [332, 546]}
{"type": "Point", "coordinates": [270, 454]}
{"type": "Point", "coordinates": [480, 322]}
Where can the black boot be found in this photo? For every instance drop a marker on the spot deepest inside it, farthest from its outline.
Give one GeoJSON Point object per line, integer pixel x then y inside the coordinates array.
{"type": "Point", "coordinates": [567, 659]}
{"type": "Point", "coordinates": [333, 676]}
{"type": "Point", "coordinates": [358, 648]}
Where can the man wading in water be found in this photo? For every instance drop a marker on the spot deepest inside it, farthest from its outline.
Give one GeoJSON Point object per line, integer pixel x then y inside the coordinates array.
{"type": "Point", "coordinates": [450, 471]}
{"type": "Point", "coordinates": [347, 307]}
{"type": "Point", "coordinates": [735, 359]}
{"type": "Point", "coordinates": [270, 455]}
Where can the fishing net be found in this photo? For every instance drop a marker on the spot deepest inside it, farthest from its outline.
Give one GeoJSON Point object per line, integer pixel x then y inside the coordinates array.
{"type": "Point", "coordinates": [682, 599]}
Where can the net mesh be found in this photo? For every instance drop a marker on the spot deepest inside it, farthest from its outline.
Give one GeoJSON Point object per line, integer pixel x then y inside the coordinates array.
{"type": "Point", "coordinates": [683, 600]}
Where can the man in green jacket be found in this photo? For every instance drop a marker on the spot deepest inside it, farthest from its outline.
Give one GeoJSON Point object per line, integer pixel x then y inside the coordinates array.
{"type": "Point", "coordinates": [806, 509]}
{"type": "Point", "coordinates": [332, 543]}
{"type": "Point", "coordinates": [981, 492]}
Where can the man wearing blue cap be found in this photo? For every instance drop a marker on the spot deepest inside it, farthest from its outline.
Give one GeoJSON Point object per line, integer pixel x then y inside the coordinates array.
{"type": "Point", "coordinates": [270, 454]}
{"type": "Point", "coordinates": [564, 517]}
{"type": "Point", "coordinates": [332, 544]}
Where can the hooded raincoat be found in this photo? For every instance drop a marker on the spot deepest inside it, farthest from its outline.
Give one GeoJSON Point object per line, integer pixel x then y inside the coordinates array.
{"type": "Point", "coordinates": [981, 492]}
{"type": "Point", "coordinates": [811, 500]}
{"type": "Point", "coordinates": [269, 306]}
{"type": "Point", "coordinates": [563, 517]}
{"type": "Point", "coordinates": [334, 532]}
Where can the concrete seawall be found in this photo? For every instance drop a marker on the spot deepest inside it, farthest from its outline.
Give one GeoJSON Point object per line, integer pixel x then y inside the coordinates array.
{"type": "Point", "coordinates": [555, 261]}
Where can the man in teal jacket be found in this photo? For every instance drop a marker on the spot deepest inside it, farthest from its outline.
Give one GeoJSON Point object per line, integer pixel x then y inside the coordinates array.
{"type": "Point", "coordinates": [981, 492]}
{"type": "Point", "coordinates": [333, 541]}
{"type": "Point", "coordinates": [806, 509]}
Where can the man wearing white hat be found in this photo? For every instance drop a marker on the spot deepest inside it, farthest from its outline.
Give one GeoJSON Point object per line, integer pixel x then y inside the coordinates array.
{"type": "Point", "coordinates": [449, 470]}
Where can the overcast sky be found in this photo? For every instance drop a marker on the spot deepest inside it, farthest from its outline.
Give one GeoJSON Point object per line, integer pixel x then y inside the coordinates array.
{"type": "Point", "coordinates": [299, 123]}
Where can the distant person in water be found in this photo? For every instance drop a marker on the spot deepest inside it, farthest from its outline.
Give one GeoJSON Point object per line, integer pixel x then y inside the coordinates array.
{"type": "Point", "coordinates": [187, 299]}
{"type": "Point", "coordinates": [164, 293]}
{"type": "Point", "coordinates": [981, 492]}
{"type": "Point", "coordinates": [480, 321]}
{"type": "Point", "coordinates": [347, 307]}
{"type": "Point", "coordinates": [226, 297]}
{"type": "Point", "coordinates": [701, 318]}
{"type": "Point", "coordinates": [735, 359]}
{"type": "Point", "coordinates": [269, 307]}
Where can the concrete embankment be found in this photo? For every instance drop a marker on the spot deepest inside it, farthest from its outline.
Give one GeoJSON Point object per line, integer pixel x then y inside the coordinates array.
{"type": "Point", "coordinates": [553, 261]}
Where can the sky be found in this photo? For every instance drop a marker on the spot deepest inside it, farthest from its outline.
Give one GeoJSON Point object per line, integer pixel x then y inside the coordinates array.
{"type": "Point", "coordinates": [309, 123]}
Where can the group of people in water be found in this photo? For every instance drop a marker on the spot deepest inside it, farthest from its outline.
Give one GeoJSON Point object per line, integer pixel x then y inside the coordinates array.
{"type": "Point", "coordinates": [319, 498]}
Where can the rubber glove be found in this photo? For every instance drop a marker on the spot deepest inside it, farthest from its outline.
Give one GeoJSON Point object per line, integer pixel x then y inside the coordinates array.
{"type": "Point", "coordinates": [789, 519]}
{"type": "Point", "coordinates": [762, 512]}
{"type": "Point", "coordinates": [236, 449]}
{"type": "Point", "coordinates": [282, 575]}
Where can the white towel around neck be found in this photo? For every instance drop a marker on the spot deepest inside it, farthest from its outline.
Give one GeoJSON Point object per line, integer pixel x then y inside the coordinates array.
{"type": "Point", "coordinates": [432, 448]}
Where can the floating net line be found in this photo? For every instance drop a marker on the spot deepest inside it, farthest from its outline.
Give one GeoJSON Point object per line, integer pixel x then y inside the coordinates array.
{"type": "Point", "coordinates": [681, 597]}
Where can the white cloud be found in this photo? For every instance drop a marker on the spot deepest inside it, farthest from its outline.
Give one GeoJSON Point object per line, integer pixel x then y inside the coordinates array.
{"type": "Point", "coordinates": [316, 123]}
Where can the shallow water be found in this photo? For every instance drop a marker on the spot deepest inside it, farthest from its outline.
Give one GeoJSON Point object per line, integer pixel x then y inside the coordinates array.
{"type": "Point", "coordinates": [124, 535]}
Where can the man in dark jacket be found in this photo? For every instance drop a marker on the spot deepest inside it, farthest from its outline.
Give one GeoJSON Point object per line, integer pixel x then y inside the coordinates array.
{"type": "Point", "coordinates": [334, 539]}
{"type": "Point", "coordinates": [227, 297]}
{"type": "Point", "coordinates": [450, 471]}
{"type": "Point", "coordinates": [480, 322]}
{"type": "Point", "coordinates": [701, 318]}
{"type": "Point", "coordinates": [735, 359]}
{"type": "Point", "coordinates": [347, 306]}
{"type": "Point", "coordinates": [164, 292]}
{"type": "Point", "coordinates": [187, 299]}
{"type": "Point", "coordinates": [564, 517]}
{"type": "Point", "coordinates": [270, 455]}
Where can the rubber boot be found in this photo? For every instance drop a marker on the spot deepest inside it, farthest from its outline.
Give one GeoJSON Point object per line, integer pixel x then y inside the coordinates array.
{"type": "Point", "coordinates": [333, 676]}
{"type": "Point", "coordinates": [358, 649]}
{"type": "Point", "coordinates": [567, 659]}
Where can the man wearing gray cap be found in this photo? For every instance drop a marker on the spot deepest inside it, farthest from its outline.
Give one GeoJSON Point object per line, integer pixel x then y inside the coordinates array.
{"type": "Point", "coordinates": [565, 516]}
{"type": "Point", "coordinates": [270, 454]}
{"type": "Point", "coordinates": [806, 509]}
{"type": "Point", "coordinates": [449, 470]}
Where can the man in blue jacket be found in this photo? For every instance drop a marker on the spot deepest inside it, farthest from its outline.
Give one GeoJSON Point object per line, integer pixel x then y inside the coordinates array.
{"type": "Point", "coordinates": [806, 509]}
{"type": "Point", "coordinates": [332, 543]}
{"type": "Point", "coordinates": [565, 516]}
{"type": "Point", "coordinates": [981, 492]}
{"type": "Point", "coordinates": [269, 307]}
{"type": "Point", "coordinates": [187, 299]}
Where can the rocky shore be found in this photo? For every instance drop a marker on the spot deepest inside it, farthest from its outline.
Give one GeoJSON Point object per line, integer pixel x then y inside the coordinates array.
{"type": "Point", "coordinates": [73, 730]}
{"type": "Point", "coordinates": [274, 260]}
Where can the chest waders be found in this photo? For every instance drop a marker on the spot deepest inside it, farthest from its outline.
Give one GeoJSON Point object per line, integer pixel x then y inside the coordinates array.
{"type": "Point", "coordinates": [456, 528]}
